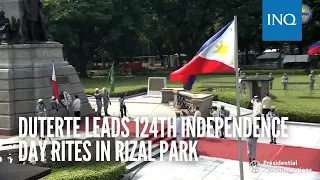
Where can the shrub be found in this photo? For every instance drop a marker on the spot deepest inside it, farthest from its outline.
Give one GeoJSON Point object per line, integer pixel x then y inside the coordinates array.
{"type": "Point", "coordinates": [116, 94]}
{"type": "Point", "coordinates": [232, 100]}
{"type": "Point", "coordinates": [296, 113]}
{"type": "Point", "coordinates": [97, 171]}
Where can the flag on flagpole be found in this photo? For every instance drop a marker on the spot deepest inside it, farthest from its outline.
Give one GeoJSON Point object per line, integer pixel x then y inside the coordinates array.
{"type": "Point", "coordinates": [215, 55]}
{"type": "Point", "coordinates": [238, 80]}
{"type": "Point", "coordinates": [314, 48]}
{"type": "Point", "coordinates": [112, 79]}
{"type": "Point", "coordinates": [55, 91]}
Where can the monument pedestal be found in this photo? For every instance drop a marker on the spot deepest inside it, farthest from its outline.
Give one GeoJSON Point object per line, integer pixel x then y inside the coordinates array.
{"type": "Point", "coordinates": [25, 77]}
{"type": "Point", "coordinates": [257, 86]}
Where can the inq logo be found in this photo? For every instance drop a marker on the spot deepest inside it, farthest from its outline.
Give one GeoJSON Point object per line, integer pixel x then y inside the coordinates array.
{"type": "Point", "coordinates": [288, 19]}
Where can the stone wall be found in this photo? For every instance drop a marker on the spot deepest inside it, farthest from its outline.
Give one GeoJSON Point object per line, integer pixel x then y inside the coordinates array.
{"type": "Point", "coordinates": [25, 72]}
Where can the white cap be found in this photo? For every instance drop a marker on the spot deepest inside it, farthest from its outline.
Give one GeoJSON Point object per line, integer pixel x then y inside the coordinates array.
{"type": "Point", "coordinates": [104, 88]}
{"type": "Point", "coordinates": [255, 96]}
{"type": "Point", "coordinates": [53, 97]}
{"type": "Point", "coordinates": [97, 89]}
{"type": "Point", "coordinates": [272, 107]}
{"type": "Point", "coordinates": [40, 100]}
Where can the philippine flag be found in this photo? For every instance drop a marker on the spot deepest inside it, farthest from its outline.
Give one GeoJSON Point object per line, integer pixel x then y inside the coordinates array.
{"type": "Point", "coordinates": [216, 55]}
{"type": "Point", "coordinates": [314, 48]}
{"type": "Point", "coordinates": [55, 91]}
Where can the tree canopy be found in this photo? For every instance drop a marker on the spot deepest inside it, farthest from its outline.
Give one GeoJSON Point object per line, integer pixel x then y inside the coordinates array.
{"type": "Point", "coordinates": [105, 30]}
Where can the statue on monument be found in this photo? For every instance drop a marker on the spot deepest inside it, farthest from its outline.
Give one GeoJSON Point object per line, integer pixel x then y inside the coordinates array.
{"type": "Point", "coordinates": [4, 28]}
{"type": "Point", "coordinates": [34, 24]}
{"type": "Point", "coordinates": [9, 32]}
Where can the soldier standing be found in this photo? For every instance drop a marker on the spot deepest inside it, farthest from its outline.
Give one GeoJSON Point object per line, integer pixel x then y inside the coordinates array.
{"type": "Point", "coordinates": [54, 105]}
{"type": "Point", "coordinates": [252, 143]}
{"type": "Point", "coordinates": [285, 81]}
{"type": "Point", "coordinates": [123, 107]}
{"type": "Point", "coordinates": [271, 81]}
{"type": "Point", "coordinates": [272, 114]}
{"type": "Point", "coordinates": [312, 78]}
{"type": "Point", "coordinates": [106, 101]}
{"type": "Point", "coordinates": [179, 128]}
{"type": "Point", "coordinates": [42, 112]}
{"type": "Point", "coordinates": [223, 113]}
{"type": "Point", "coordinates": [243, 84]}
{"type": "Point", "coordinates": [98, 97]}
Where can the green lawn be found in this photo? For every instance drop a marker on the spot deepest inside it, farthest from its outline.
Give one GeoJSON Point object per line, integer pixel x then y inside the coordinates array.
{"type": "Point", "coordinates": [297, 100]}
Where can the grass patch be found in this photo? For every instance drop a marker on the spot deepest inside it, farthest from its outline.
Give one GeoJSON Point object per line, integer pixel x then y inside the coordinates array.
{"type": "Point", "coordinates": [97, 171]}
{"type": "Point", "coordinates": [298, 105]}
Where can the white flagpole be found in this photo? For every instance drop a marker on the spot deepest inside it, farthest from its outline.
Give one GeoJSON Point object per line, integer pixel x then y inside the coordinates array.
{"type": "Point", "coordinates": [238, 95]}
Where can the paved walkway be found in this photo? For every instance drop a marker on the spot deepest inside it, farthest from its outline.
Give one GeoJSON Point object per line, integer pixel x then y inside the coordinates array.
{"type": "Point", "coordinates": [213, 169]}
{"type": "Point", "coordinates": [208, 168]}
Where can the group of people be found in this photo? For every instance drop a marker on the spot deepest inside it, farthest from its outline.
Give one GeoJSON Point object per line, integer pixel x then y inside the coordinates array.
{"type": "Point", "coordinates": [55, 105]}
{"type": "Point", "coordinates": [284, 81]}
{"type": "Point", "coordinates": [261, 109]}
{"type": "Point", "coordinates": [222, 113]}
{"type": "Point", "coordinates": [103, 99]}
{"type": "Point", "coordinates": [42, 110]}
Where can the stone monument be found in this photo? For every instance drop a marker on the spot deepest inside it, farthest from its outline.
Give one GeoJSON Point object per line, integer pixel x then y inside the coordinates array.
{"type": "Point", "coordinates": [257, 86]}
{"type": "Point", "coordinates": [26, 58]}
{"type": "Point", "coordinates": [155, 85]}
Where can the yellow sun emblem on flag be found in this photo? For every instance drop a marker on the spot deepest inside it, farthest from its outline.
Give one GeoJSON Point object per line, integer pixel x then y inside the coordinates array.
{"type": "Point", "coordinates": [222, 49]}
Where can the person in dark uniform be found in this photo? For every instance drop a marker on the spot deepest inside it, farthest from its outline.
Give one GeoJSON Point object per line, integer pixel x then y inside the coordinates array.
{"type": "Point", "coordinates": [123, 107]}
{"type": "Point", "coordinates": [272, 114]}
{"type": "Point", "coordinates": [98, 97]}
{"type": "Point", "coordinates": [252, 144]}
{"type": "Point", "coordinates": [223, 113]}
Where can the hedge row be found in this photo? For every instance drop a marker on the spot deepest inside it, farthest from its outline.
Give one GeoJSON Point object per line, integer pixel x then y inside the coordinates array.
{"type": "Point", "coordinates": [97, 171]}
{"type": "Point", "coordinates": [297, 113]}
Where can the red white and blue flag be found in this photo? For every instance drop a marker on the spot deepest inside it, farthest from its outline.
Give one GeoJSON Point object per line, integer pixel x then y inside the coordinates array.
{"type": "Point", "coordinates": [314, 48]}
{"type": "Point", "coordinates": [216, 55]}
{"type": "Point", "coordinates": [55, 91]}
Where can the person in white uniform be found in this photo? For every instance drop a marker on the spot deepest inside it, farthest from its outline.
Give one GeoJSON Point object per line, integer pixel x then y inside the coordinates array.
{"type": "Point", "coordinates": [76, 106]}
{"type": "Point", "coordinates": [284, 81]}
{"type": "Point", "coordinates": [266, 104]}
{"type": "Point", "coordinates": [312, 78]}
{"type": "Point", "coordinates": [42, 112]}
{"type": "Point", "coordinates": [196, 115]}
{"type": "Point", "coordinates": [106, 101]}
{"type": "Point", "coordinates": [215, 113]}
{"type": "Point", "coordinates": [254, 101]}
{"type": "Point", "coordinates": [270, 82]}
{"type": "Point", "coordinates": [179, 128]}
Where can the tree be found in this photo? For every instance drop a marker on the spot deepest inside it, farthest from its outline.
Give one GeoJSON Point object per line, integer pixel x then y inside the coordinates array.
{"type": "Point", "coordinates": [79, 25]}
